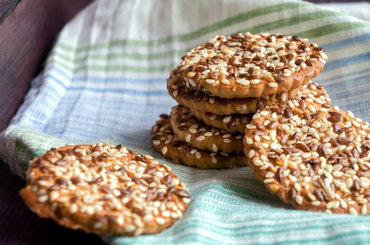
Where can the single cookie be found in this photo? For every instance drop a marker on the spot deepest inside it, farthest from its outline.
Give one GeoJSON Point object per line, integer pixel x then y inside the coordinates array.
{"type": "Point", "coordinates": [104, 189]}
{"type": "Point", "coordinates": [193, 131]}
{"type": "Point", "coordinates": [165, 141]}
{"type": "Point", "coordinates": [250, 65]}
{"type": "Point", "coordinates": [197, 100]}
{"type": "Point", "coordinates": [312, 155]}
{"type": "Point", "coordinates": [237, 122]}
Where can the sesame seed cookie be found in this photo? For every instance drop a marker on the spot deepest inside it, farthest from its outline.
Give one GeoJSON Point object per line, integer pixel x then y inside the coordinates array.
{"type": "Point", "coordinates": [104, 189]}
{"type": "Point", "coordinates": [193, 131]}
{"type": "Point", "coordinates": [166, 142]}
{"type": "Point", "coordinates": [237, 122]}
{"type": "Point", "coordinates": [250, 65]}
{"type": "Point", "coordinates": [197, 100]}
{"type": "Point", "coordinates": [312, 155]}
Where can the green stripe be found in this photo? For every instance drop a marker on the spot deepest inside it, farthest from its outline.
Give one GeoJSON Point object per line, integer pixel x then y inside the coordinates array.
{"type": "Point", "coordinates": [164, 68]}
{"type": "Point", "coordinates": [189, 236]}
{"type": "Point", "coordinates": [265, 229]}
{"type": "Point", "coordinates": [178, 53]}
{"type": "Point", "coordinates": [332, 28]}
{"type": "Point", "coordinates": [198, 33]}
{"type": "Point", "coordinates": [293, 21]}
{"type": "Point", "coordinates": [317, 32]}
{"type": "Point", "coordinates": [131, 56]}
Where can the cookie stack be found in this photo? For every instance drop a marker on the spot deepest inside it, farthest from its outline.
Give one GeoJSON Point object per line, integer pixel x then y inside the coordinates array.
{"type": "Point", "coordinates": [221, 84]}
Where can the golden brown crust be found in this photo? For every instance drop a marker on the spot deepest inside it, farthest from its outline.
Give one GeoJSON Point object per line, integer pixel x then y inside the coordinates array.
{"type": "Point", "coordinates": [193, 131]}
{"type": "Point", "coordinates": [264, 87]}
{"type": "Point", "coordinates": [197, 100]}
{"type": "Point", "coordinates": [311, 155]}
{"type": "Point", "coordinates": [165, 141]}
{"type": "Point", "coordinates": [237, 122]}
{"type": "Point", "coordinates": [96, 188]}
{"type": "Point", "coordinates": [233, 123]}
{"type": "Point", "coordinates": [250, 65]}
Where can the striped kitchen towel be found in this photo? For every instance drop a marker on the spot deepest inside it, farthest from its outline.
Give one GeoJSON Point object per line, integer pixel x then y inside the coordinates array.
{"type": "Point", "coordinates": [105, 80]}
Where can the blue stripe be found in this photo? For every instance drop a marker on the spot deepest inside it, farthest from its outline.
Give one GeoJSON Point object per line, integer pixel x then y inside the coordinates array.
{"type": "Point", "coordinates": [347, 43]}
{"type": "Point", "coordinates": [123, 91]}
{"type": "Point", "coordinates": [61, 72]}
{"type": "Point", "coordinates": [343, 76]}
{"type": "Point", "coordinates": [331, 65]}
{"type": "Point", "coordinates": [347, 61]}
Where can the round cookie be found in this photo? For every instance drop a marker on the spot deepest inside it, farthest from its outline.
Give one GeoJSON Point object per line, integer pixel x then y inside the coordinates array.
{"type": "Point", "coordinates": [312, 155]}
{"type": "Point", "coordinates": [193, 131]}
{"type": "Point", "coordinates": [237, 122]}
{"type": "Point", "coordinates": [104, 189]}
{"type": "Point", "coordinates": [165, 141]}
{"type": "Point", "coordinates": [250, 65]}
{"type": "Point", "coordinates": [197, 100]}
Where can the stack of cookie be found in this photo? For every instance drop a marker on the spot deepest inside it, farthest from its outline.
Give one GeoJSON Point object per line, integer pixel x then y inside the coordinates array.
{"type": "Point", "coordinates": [220, 86]}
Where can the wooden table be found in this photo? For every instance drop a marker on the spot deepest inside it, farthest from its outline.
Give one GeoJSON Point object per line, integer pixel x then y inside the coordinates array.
{"type": "Point", "coordinates": [27, 33]}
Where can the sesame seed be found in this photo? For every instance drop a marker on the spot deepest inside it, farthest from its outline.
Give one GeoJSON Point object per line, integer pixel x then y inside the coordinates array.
{"type": "Point", "coordinates": [200, 138]}
{"type": "Point", "coordinates": [364, 209]}
{"type": "Point", "coordinates": [249, 141]}
{"type": "Point", "coordinates": [316, 203]}
{"type": "Point", "coordinates": [227, 119]}
{"type": "Point", "coordinates": [243, 81]}
{"type": "Point", "coordinates": [188, 138]}
{"type": "Point", "coordinates": [352, 211]}
{"type": "Point", "coordinates": [129, 228]}
{"type": "Point", "coordinates": [42, 199]}
{"type": "Point", "coordinates": [214, 160]}
{"type": "Point", "coordinates": [257, 162]}
{"type": "Point", "coordinates": [299, 199]}
{"type": "Point", "coordinates": [228, 141]}
{"type": "Point", "coordinates": [192, 130]}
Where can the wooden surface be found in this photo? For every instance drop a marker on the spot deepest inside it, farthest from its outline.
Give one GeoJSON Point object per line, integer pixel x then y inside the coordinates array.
{"type": "Point", "coordinates": [18, 225]}
{"type": "Point", "coordinates": [27, 33]}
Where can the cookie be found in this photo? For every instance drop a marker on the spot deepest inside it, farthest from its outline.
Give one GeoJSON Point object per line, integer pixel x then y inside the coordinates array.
{"type": "Point", "coordinates": [104, 189]}
{"type": "Point", "coordinates": [193, 131]}
{"type": "Point", "coordinates": [165, 141]}
{"type": "Point", "coordinates": [237, 122]}
{"type": "Point", "coordinates": [250, 65]}
{"type": "Point", "coordinates": [312, 155]}
{"type": "Point", "coordinates": [197, 100]}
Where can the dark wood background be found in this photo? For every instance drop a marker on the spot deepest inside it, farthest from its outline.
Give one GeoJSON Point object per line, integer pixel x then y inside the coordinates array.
{"type": "Point", "coordinates": [27, 32]}
{"type": "Point", "coordinates": [28, 29]}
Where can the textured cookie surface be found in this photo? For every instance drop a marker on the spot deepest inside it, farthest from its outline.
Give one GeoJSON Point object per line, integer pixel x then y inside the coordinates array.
{"type": "Point", "coordinates": [166, 142]}
{"type": "Point", "coordinates": [104, 189]}
{"type": "Point", "coordinates": [197, 100]}
{"type": "Point", "coordinates": [193, 131]}
{"type": "Point", "coordinates": [250, 65]}
{"type": "Point", "coordinates": [237, 122]}
{"type": "Point", "coordinates": [312, 155]}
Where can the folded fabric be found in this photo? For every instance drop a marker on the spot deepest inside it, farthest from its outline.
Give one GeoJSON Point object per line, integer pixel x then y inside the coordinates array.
{"type": "Point", "coordinates": [105, 80]}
